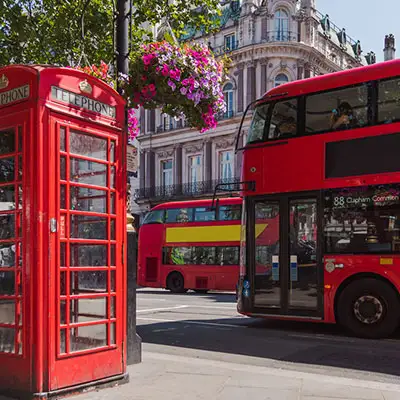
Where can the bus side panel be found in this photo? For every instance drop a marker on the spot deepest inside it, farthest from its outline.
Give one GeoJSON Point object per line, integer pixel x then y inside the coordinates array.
{"type": "Point", "coordinates": [151, 239]}
{"type": "Point", "coordinates": [347, 266]}
{"type": "Point", "coordinates": [211, 277]}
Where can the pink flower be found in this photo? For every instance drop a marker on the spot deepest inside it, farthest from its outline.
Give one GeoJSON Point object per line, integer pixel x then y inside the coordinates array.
{"type": "Point", "coordinates": [152, 87]}
{"type": "Point", "coordinates": [175, 74]}
{"type": "Point", "coordinates": [165, 70]}
{"type": "Point", "coordinates": [147, 59]}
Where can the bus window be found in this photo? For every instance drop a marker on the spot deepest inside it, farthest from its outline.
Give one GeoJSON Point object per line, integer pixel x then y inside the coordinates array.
{"type": "Point", "coordinates": [203, 256]}
{"type": "Point", "coordinates": [204, 214]}
{"type": "Point", "coordinates": [389, 101]}
{"type": "Point", "coordinates": [154, 217]}
{"type": "Point", "coordinates": [338, 109]}
{"type": "Point", "coordinates": [257, 127]}
{"type": "Point", "coordinates": [230, 213]}
{"type": "Point", "coordinates": [180, 215]}
{"type": "Point", "coordinates": [363, 220]}
{"type": "Point", "coordinates": [177, 255]}
{"type": "Point", "coordinates": [283, 120]}
{"type": "Point", "coordinates": [228, 255]}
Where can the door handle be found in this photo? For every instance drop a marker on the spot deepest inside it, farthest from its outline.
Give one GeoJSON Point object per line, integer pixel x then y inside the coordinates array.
{"type": "Point", "coordinates": [293, 269]}
{"type": "Point", "coordinates": [275, 268]}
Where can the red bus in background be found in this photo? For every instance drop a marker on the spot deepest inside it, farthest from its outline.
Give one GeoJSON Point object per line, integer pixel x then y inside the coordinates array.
{"type": "Point", "coordinates": [322, 154]}
{"type": "Point", "coordinates": [190, 245]}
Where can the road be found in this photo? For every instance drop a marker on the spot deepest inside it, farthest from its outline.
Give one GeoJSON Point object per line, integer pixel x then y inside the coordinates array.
{"type": "Point", "coordinates": [208, 327]}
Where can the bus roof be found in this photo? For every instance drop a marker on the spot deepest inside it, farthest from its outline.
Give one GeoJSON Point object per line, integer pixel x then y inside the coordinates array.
{"type": "Point", "coordinates": [335, 80]}
{"type": "Point", "coordinates": [197, 203]}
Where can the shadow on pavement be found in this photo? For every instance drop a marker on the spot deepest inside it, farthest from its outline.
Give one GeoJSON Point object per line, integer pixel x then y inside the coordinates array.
{"type": "Point", "coordinates": [218, 297]}
{"type": "Point", "coordinates": [293, 342]}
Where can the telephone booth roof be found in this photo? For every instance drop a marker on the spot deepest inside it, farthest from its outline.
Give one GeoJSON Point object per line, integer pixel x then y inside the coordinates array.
{"type": "Point", "coordinates": [65, 90]}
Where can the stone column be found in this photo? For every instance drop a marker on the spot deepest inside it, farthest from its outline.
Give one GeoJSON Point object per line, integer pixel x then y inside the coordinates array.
{"type": "Point", "coordinates": [150, 172]}
{"type": "Point", "coordinates": [240, 84]}
{"type": "Point", "coordinates": [142, 170]}
{"type": "Point", "coordinates": [263, 75]}
{"type": "Point", "coordinates": [142, 120]}
{"type": "Point", "coordinates": [178, 169]}
{"type": "Point", "coordinates": [151, 122]}
{"type": "Point", "coordinates": [251, 83]}
{"type": "Point", "coordinates": [238, 159]}
{"type": "Point", "coordinates": [208, 160]}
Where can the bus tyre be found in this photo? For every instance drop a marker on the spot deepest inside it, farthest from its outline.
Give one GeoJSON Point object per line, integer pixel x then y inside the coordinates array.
{"type": "Point", "coordinates": [176, 283]}
{"type": "Point", "coordinates": [369, 308]}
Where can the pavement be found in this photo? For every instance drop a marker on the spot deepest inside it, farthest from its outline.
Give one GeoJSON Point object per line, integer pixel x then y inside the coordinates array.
{"type": "Point", "coordinates": [170, 377]}
{"type": "Point", "coordinates": [197, 347]}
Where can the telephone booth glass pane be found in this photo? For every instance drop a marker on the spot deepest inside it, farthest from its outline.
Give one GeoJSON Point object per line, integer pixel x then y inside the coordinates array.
{"type": "Point", "coordinates": [87, 243]}
{"type": "Point", "coordinates": [11, 300]}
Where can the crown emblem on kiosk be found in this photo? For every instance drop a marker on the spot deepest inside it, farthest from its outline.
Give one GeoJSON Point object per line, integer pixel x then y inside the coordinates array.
{"type": "Point", "coordinates": [85, 86]}
{"type": "Point", "coordinates": [3, 82]}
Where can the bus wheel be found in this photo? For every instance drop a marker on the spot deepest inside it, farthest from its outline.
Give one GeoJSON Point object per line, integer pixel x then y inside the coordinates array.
{"type": "Point", "coordinates": [369, 308]}
{"type": "Point", "coordinates": [201, 291]}
{"type": "Point", "coordinates": [176, 283]}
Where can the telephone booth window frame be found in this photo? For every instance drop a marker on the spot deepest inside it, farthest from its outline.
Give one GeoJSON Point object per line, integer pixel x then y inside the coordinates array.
{"type": "Point", "coordinates": [72, 242]}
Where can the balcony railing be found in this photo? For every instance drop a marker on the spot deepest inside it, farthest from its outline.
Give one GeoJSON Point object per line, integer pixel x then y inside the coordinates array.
{"type": "Point", "coordinates": [225, 115]}
{"type": "Point", "coordinates": [182, 191]}
{"type": "Point", "coordinates": [280, 36]}
{"type": "Point", "coordinates": [220, 50]}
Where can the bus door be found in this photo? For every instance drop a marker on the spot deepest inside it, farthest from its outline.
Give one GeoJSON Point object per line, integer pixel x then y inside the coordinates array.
{"type": "Point", "coordinates": [288, 277]}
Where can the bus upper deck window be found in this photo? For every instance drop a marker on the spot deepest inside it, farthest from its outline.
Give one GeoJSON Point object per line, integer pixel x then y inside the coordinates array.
{"type": "Point", "coordinates": [154, 217]}
{"type": "Point", "coordinates": [257, 127]}
{"type": "Point", "coordinates": [283, 120]}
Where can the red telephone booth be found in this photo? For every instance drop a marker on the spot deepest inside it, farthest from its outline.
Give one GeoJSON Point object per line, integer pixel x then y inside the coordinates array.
{"type": "Point", "coordinates": [62, 231]}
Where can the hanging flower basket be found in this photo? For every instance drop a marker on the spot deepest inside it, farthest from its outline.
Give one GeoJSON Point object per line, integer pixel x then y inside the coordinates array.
{"type": "Point", "coordinates": [100, 72]}
{"type": "Point", "coordinates": [182, 81]}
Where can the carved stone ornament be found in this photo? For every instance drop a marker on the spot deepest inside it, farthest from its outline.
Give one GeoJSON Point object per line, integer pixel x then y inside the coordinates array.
{"type": "Point", "coordinates": [225, 143]}
{"type": "Point", "coordinates": [194, 148]}
{"type": "Point", "coordinates": [3, 82]}
{"type": "Point", "coordinates": [165, 153]}
{"type": "Point", "coordinates": [263, 61]}
{"type": "Point", "coordinates": [85, 87]}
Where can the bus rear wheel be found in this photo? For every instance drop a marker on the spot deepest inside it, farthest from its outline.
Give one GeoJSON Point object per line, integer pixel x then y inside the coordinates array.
{"type": "Point", "coordinates": [369, 308]}
{"type": "Point", "coordinates": [176, 283]}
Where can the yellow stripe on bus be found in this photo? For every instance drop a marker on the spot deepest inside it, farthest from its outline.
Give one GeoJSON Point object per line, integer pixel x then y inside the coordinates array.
{"type": "Point", "coordinates": [208, 234]}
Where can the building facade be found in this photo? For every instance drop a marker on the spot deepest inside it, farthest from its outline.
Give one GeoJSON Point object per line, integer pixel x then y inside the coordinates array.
{"type": "Point", "coordinates": [270, 42]}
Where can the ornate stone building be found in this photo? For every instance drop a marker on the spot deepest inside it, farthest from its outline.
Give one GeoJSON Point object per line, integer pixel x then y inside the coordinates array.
{"type": "Point", "coordinates": [270, 42]}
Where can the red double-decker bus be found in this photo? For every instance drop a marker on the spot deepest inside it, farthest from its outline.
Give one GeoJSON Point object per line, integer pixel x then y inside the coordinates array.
{"type": "Point", "coordinates": [322, 154]}
{"type": "Point", "coordinates": [191, 245]}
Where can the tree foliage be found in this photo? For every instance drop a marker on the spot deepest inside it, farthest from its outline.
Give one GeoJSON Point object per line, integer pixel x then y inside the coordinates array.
{"type": "Point", "coordinates": [50, 31]}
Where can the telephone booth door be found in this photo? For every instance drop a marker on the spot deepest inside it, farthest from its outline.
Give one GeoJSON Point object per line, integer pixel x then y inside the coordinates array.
{"type": "Point", "coordinates": [14, 338]}
{"type": "Point", "coordinates": [88, 268]}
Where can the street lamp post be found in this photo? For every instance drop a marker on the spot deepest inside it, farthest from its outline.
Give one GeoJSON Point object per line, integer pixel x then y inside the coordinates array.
{"type": "Point", "coordinates": [133, 340]}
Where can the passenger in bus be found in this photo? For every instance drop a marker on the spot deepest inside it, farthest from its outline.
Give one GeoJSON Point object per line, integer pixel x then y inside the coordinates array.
{"type": "Point", "coordinates": [286, 127]}
{"type": "Point", "coordinates": [182, 216]}
{"type": "Point", "coordinates": [343, 117]}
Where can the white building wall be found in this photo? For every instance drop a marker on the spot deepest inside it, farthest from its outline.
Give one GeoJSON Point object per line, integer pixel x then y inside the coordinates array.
{"type": "Point", "coordinates": [317, 52]}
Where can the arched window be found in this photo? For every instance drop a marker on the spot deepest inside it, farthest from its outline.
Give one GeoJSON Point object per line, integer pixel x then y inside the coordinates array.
{"type": "Point", "coordinates": [280, 79]}
{"type": "Point", "coordinates": [228, 97]}
{"type": "Point", "coordinates": [281, 25]}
